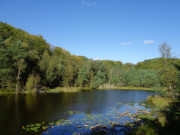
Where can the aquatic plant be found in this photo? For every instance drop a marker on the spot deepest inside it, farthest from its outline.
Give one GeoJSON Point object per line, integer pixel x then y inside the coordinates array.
{"type": "Point", "coordinates": [89, 122]}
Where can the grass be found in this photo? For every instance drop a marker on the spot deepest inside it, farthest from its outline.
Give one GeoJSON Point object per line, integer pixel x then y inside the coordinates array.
{"type": "Point", "coordinates": [167, 122]}
{"type": "Point", "coordinates": [144, 129]}
{"type": "Point", "coordinates": [78, 89]}
{"type": "Point", "coordinates": [67, 89]}
{"type": "Point", "coordinates": [146, 117]}
{"type": "Point", "coordinates": [74, 89]}
{"type": "Point", "coordinates": [159, 101]}
{"type": "Point", "coordinates": [6, 92]}
{"type": "Point", "coordinates": [126, 88]}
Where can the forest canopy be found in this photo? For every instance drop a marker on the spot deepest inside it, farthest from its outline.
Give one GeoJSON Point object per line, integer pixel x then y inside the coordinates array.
{"type": "Point", "coordinates": [30, 63]}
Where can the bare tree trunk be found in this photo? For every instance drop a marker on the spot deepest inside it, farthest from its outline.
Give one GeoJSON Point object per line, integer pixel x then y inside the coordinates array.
{"type": "Point", "coordinates": [171, 91]}
{"type": "Point", "coordinates": [17, 80]}
{"type": "Point", "coordinates": [165, 61]}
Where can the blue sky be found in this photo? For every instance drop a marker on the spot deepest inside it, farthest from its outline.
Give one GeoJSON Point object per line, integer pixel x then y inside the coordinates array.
{"type": "Point", "coordinates": [125, 30]}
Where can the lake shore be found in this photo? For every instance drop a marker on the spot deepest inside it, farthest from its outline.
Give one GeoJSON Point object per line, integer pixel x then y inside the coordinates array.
{"type": "Point", "coordinates": [74, 89]}
{"type": "Point", "coordinates": [150, 121]}
{"type": "Point", "coordinates": [167, 121]}
{"type": "Point", "coordinates": [126, 88]}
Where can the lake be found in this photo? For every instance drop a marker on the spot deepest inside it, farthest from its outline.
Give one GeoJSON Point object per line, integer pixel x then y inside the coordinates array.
{"type": "Point", "coordinates": [66, 112]}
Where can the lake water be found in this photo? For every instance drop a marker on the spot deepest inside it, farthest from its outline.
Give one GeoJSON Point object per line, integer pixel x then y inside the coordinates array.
{"type": "Point", "coordinates": [22, 110]}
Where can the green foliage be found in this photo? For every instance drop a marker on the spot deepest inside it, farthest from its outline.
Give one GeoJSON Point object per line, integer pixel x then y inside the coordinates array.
{"type": "Point", "coordinates": [32, 82]}
{"type": "Point", "coordinates": [159, 101]}
{"type": "Point", "coordinates": [92, 74]}
{"type": "Point", "coordinates": [85, 74]}
{"type": "Point", "coordinates": [110, 64]}
{"type": "Point", "coordinates": [24, 56]}
{"type": "Point", "coordinates": [147, 117]}
{"type": "Point", "coordinates": [5, 69]}
{"type": "Point", "coordinates": [54, 69]}
{"type": "Point", "coordinates": [145, 129]}
{"type": "Point", "coordinates": [44, 62]}
{"type": "Point", "coordinates": [118, 76]}
{"type": "Point", "coordinates": [100, 76]}
{"type": "Point", "coordinates": [128, 66]}
{"type": "Point", "coordinates": [156, 63]}
{"type": "Point", "coordinates": [133, 77]}
{"type": "Point", "coordinates": [6, 30]}
{"type": "Point", "coordinates": [169, 77]}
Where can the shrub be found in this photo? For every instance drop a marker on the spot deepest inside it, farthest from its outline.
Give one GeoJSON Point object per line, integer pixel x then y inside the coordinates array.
{"type": "Point", "coordinates": [32, 83]}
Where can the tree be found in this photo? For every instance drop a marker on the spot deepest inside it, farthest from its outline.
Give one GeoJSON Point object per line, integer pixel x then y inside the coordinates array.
{"type": "Point", "coordinates": [118, 76]}
{"type": "Point", "coordinates": [108, 64]}
{"type": "Point", "coordinates": [32, 82]}
{"type": "Point", "coordinates": [44, 62]}
{"type": "Point", "coordinates": [92, 74]}
{"type": "Point", "coordinates": [99, 79]}
{"type": "Point", "coordinates": [5, 68]}
{"type": "Point", "coordinates": [52, 68]}
{"type": "Point", "coordinates": [128, 66]}
{"type": "Point", "coordinates": [134, 77]}
{"type": "Point", "coordinates": [169, 77]}
{"type": "Point", "coordinates": [18, 55]}
{"type": "Point", "coordinates": [169, 74]}
{"type": "Point", "coordinates": [54, 71]}
{"type": "Point", "coordinates": [85, 74]}
{"type": "Point", "coordinates": [100, 75]}
{"type": "Point", "coordinates": [148, 78]}
{"type": "Point", "coordinates": [6, 30]}
{"type": "Point", "coordinates": [165, 52]}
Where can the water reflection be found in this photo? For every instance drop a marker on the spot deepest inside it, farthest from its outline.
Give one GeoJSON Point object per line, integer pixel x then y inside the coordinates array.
{"type": "Point", "coordinates": [21, 110]}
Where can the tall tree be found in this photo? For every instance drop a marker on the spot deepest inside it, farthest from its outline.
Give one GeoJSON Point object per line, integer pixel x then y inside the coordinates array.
{"type": "Point", "coordinates": [100, 75]}
{"type": "Point", "coordinates": [85, 74]}
{"type": "Point", "coordinates": [165, 52]}
{"type": "Point", "coordinates": [5, 68]}
{"type": "Point", "coordinates": [169, 77]}
{"type": "Point", "coordinates": [18, 57]}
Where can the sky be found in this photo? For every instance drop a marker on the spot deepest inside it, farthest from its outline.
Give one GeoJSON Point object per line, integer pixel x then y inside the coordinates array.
{"type": "Point", "coordinates": [121, 30]}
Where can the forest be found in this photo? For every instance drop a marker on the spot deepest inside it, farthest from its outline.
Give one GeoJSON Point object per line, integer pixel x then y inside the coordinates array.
{"type": "Point", "coordinates": [30, 63]}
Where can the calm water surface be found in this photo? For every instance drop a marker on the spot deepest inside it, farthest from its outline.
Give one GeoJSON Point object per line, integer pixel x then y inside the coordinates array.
{"type": "Point", "coordinates": [27, 109]}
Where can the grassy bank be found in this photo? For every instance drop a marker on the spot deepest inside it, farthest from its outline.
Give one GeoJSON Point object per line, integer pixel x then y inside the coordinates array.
{"type": "Point", "coordinates": [2, 92]}
{"type": "Point", "coordinates": [160, 102]}
{"type": "Point", "coordinates": [73, 89]}
{"type": "Point", "coordinates": [125, 88]}
{"type": "Point", "coordinates": [77, 89]}
{"type": "Point", "coordinates": [55, 90]}
{"type": "Point", "coordinates": [167, 110]}
{"type": "Point", "coordinates": [67, 89]}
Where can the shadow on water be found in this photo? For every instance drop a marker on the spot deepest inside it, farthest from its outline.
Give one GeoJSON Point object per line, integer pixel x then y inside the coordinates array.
{"type": "Point", "coordinates": [27, 109]}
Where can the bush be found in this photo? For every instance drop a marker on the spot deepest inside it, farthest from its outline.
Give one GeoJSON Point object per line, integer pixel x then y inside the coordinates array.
{"type": "Point", "coordinates": [44, 88]}
{"type": "Point", "coordinates": [32, 83]}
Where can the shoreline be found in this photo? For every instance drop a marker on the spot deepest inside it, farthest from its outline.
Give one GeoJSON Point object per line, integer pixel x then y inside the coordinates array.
{"type": "Point", "coordinates": [140, 119]}
{"type": "Point", "coordinates": [74, 89]}
{"type": "Point", "coordinates": [126, 88]}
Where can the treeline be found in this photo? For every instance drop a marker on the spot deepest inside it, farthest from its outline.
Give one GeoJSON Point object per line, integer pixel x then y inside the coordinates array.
{"type": "Point", "coordinates": [28, 62]}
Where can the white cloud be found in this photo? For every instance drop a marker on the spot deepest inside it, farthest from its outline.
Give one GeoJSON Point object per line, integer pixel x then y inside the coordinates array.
{"type": "Point", "coordinates": [97, 59]}
{"type": "Point", "coordinates": [89, 3]}
{"type": "Point", "coordinates": [148, 41]}
{"type": "Point", "coordinates": [126, 43]}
